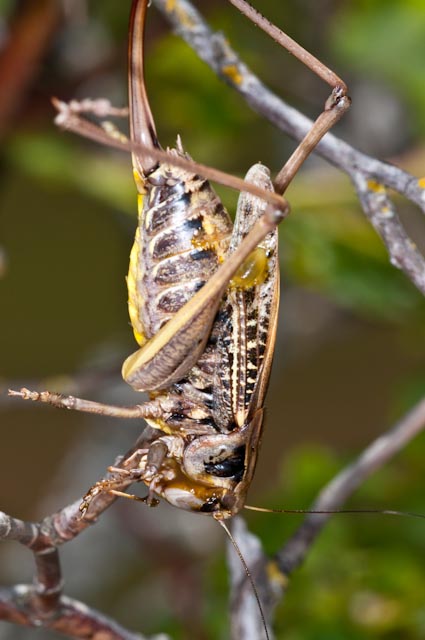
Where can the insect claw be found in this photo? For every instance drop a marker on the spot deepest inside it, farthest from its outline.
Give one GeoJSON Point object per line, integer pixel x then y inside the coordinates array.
{"type": "Point", "coordinates": [338, 99]}
{"type": "Point", "coordinates": [273, 215]}
{"type": "Point", "coordinates": [151, 500]}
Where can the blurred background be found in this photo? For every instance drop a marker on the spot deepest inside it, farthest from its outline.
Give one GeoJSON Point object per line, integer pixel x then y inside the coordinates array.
{"type": "Point", "coordinates": [350, 353]}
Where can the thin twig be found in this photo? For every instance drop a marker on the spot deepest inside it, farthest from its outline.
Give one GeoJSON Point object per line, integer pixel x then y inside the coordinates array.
{"type": "Point", "coordinates": [72, 618]}
{"type": "Point", "coordinates": [380, 211]}
{"type": "Point", "coordinates": [215, 50]}
{"type": "Point", "coordinates": [246, 622]}
{"type": "Point", "coordinates": [271, 575]}
{"type": "Point", "coordinates": [43, 602]}
{"type": "Point", "coordinates": [336, 493]}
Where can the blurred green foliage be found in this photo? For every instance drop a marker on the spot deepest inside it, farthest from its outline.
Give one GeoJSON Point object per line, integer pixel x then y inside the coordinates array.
{"type": "Point", "coordinates": [386, 42]}
{"type": "Point", "coordinates": [364, 579]}
{"type": "Point", "coordinates": [328, 247]}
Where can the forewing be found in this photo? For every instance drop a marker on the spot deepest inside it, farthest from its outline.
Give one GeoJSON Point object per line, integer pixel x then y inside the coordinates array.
{"type": "Point", "coordinates": [246, 325]}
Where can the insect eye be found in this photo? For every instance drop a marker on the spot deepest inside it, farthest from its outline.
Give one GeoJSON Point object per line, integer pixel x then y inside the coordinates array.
{"type": "Point", "coordinates": [231, 466]}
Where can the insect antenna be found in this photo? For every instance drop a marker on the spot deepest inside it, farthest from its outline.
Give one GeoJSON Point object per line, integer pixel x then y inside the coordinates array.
{"type": "Point", "coordinates": [248, 574]}
{"type": "Point", "coordinates": [385, 512]}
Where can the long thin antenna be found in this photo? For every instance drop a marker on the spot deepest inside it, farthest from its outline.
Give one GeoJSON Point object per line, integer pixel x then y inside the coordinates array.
{"type": "Point", "coordinates": [248, 574]}
{"type": "Point", "coordinates": [385, 512]}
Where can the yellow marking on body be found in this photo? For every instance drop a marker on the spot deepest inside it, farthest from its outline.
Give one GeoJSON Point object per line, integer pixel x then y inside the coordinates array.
{"type": "Point", "coordinates": [253, 271]}
{"type": "Point", "coordinates": [170, 6]}
{"type": "Point", "coordinates": [376, 187]}
{"type": "Point", "coordinates": [134, 302]}
{"type": "Point", "coordinates": [421, 183]}
{"type": "Point", "coordinates": [202, 243]}
{"type": "Point", "coordinates": [208, 227]}
{"type": "Point", "coordinates": [232, 72]}
{"type": "Point", "coordinates": [140, 182]}
{"type": "Point", "coordinates": [140, 200]}
{"type": "Point", "coordinates": [209, 240]}
{"type": "Point", "coordinates": [161, 425]}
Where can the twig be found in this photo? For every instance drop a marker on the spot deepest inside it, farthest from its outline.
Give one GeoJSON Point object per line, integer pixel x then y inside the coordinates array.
{"type": "Point", "coordinates": [215, 50]}
{"type": "Point", "coordinates": [71, 618]}
{"type": "Point", "coordinates": [271, 575]}
{"type": "Point", "coordinates": [336, 493]}
{"type": "Point", "coordinates": [43, 602]}
{"type": "Point", "coordinates": [380, 211]}
{"type": "Point", "coordinates": [245, 620]}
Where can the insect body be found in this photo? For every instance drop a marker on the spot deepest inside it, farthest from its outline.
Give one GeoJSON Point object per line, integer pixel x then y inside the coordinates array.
{"type": "Point", "coordinates": [203, 299]}
{"type": "Point", "coordinates": [207, 436]}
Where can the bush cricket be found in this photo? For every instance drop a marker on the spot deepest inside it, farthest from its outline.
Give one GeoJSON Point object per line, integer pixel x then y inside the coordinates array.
{"type": "Point", "coordinates": [203, 303]}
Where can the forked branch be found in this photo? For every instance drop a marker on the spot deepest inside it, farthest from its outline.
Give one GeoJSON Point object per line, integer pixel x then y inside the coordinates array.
{"type": "Point", "coordinates": [43, 603]}
{"type": "Point", "coordinates": [341, 488]}
{"type": "Point", "coordinates": [71, 618]}
{"type": "Point", "coordinates": [271, 575]}
{"type": "Point", "coordinates": [25, 605]}
{"type": "Point", "coordinates": [365, 171]}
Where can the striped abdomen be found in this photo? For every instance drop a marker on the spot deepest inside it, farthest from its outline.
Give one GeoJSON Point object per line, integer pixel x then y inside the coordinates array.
{"type": "Point", "coordinates": [182, 237]}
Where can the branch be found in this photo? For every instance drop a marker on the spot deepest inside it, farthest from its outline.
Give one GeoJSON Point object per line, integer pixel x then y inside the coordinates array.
{"type": "Point", "coordinates": [246, 623]}
{"type": "Point", "coordinates": [381, 213]}
{"type": "Point", "coordinates": [271, 575]}
{"type": "Point", "coordinates": [71, 618]}
{"type": "Point", "coordinates": [214, 49]}
{"type": "Point", "coordinates": [336, 493]}
{"type": "Point", "coordinates": [43, 603]}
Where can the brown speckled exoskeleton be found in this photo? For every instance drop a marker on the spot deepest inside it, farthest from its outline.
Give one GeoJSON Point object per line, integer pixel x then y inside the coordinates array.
{"type": "Point", "coordinates": [203, 303]}
{"type": "Point", "coordinates": [210, 406]}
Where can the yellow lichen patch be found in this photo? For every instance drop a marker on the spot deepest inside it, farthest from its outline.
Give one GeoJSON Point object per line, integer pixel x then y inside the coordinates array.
{"type": "Point", "coordinates": [173, 6]}
{"type": "Point", "coordinates": [253, 270]}
{"type": "Point", "coordinates": [421, 183]}
{"type": "Point", "coordinates": [113, 132]}
{"type": "Point", "coordinates": [375, 186]}
{"type": "Point", "coordinates": [275, 575]}
{"type": "Point", "coordinates": [231, 71]}
{"type": "Point", "coordinates": [386, 212]}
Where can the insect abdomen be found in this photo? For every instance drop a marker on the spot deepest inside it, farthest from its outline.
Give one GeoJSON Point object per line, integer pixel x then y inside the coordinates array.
{"type": "Point", "coordinates": [182, 237]}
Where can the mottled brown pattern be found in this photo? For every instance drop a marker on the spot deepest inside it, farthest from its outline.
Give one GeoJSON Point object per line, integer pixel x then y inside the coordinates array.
{"type": "Point", "coordinates": [184, 233]}
{"type": "Point", "coordinates": [215, 412]}
{"type": "Point", "coordinates": [210, 412]}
